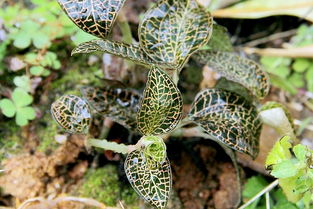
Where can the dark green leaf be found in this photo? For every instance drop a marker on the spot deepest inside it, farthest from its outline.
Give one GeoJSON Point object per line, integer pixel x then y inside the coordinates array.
{"type": "Point", "coordinates": [228, 118]}
{"type": "Point", "coordinates": [154, 184]}
{"type": "Point", "coordinates": [71, 113]}
{"type": "Point", "coordinates": [220, 40]}
{"type": "Point", "coordinates": [121, 105]}
{"type": "Point", "coordinates": [161, 106]}
{"type": "Point", "coordinates": [172, 30]}
{"type": "Point", "coordinates": [93, 16]}
{"type": "Point", "coordinates": [235, 68]}
{"type": "Point", "coordinates": [131, 52]}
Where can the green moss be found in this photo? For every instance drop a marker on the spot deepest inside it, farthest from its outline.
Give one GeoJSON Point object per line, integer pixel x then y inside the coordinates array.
{"type": "Point", "coordinates": [46, 130]}
{"type": "Point", "coordinates": [129, 197]}
{"type": "Point", "coordinates": [103, 185]}
{"type": "Point", "coordinates": [10, 139]}
{"type": "Point", "coordinates": [74, 79]}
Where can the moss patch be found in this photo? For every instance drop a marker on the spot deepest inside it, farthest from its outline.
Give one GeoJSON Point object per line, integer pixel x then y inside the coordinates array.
{"type": "Point", "coordinates": [10, 140]}
{"type": "Point", "coordinates": [103, 185]}
{"type": "Point", "coordinates": [47, 130]}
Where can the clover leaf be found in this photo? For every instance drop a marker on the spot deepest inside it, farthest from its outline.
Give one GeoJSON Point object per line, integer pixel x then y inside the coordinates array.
{"type": "Point", "coordinates": [23, 82]}
{"type": "Point", "coordinates": [19, 107]}
{"type": "Point", "coordinates": [28, 33]}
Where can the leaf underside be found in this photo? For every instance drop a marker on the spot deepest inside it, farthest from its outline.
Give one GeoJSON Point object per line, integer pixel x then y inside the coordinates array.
{"type": "Point", "coordinates": [95, 17]}
{"type": "Point", "coordinates": [152, 183]}
{"type": "Point", "coordinates": [172, 30]}
{"type": "Point", "coordinates": [161, 106]}
{"type": "Point", "coordinates": [235, 68]}
{"type": "Point", "coordinates": [121, 105]}
{"type": "Point", "coordinates": [228, 118]}
{"type": "Point", "coordinates": [71, 113]}
{"type": "Point", "coordinates": [131, 52]}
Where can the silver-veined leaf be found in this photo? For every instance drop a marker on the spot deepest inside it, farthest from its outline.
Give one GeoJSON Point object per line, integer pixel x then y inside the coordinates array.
{"type": "Point", "coordinates": [235, 68]}
{"type": "Point", "coordinates": [121, 105]}
{"type": "Point", "coordinates": [95, 17]}
{"type": "Point", "coordinates": [161, 106]}
{"type": "Point", "coordinates": [228, 118]}
{"type": "Point", "coordinates": [131, 52]}
{"type": "Point", "coordinates": [72, 113]}
{"type": "Point", "coordinates": [153, 184]}
{"type": "Point", "coordinates": [172, 30]}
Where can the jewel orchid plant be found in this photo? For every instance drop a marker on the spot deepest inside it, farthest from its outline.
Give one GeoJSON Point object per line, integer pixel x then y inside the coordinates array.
{"type": "Point", "coordinates": [170, 34]}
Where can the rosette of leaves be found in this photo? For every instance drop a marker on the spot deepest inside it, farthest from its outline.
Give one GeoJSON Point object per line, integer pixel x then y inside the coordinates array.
{"type": "Point", "coordinates": [148, 170]}
{"type": "Point", "coordinates": [147, 167]}
{"type": "Point", "coordinates": [18, 106]}
{"type": "Point", "coordinates": [170, 32]}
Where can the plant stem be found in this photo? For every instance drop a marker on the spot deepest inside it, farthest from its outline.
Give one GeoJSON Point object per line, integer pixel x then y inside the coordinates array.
{"type": "Point", "coordinates": [266, 189]}
{"type": "Point", "coordinates": [104, 144]}
{"type": "Point", "coordinates": [176, 77]}
{"type": "Point", "coordinates": [267, 197]}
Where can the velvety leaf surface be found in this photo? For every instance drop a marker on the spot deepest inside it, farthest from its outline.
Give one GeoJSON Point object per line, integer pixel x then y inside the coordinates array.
{"type": "Point", "coordinates": [93, 16]}
{"type": "Point", "coordinates": [161, 106]}
{"type": "Point", "coordinates": [228, 118]}
{"type": "Point", "coordinates": [172, 30]}
{"type": "Point", "coordinates": [151, 183]}
{"type": "Point", "coordinates": [71, 113]}
{"type": "Point", "coordinates": [121, 105]}
{"type": "Point", "coordinates": [131, 52]}
{"type": "Point", "coordinates": [235, 68]}
{"type": "Point", "coordinates": [220, 40]}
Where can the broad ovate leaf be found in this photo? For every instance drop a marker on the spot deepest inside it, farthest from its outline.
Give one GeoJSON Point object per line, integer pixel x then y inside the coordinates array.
{"type": "Point", "coordinates": [235, 68]}
{"type": "Point", "coordinates": [121, 105]}
{"type": "Point", "coordinates": [72, 113]}
{"type": "Point", "coordinates": [228, 118]}
{"type": "Point", "coordinates": [172, 30]}
{"type": "Point", "coordinates": [131, 52]}
{"type": "Point", "coordinates": [153, 184]}
{"type": "Point", "coordinates": [161, 106]}
{"type": "Point", "coordinates": [95, 17]}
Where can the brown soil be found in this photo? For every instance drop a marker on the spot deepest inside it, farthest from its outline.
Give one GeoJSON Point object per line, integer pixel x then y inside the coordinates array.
{"type": "Point", "coordinates": [213, 186]}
